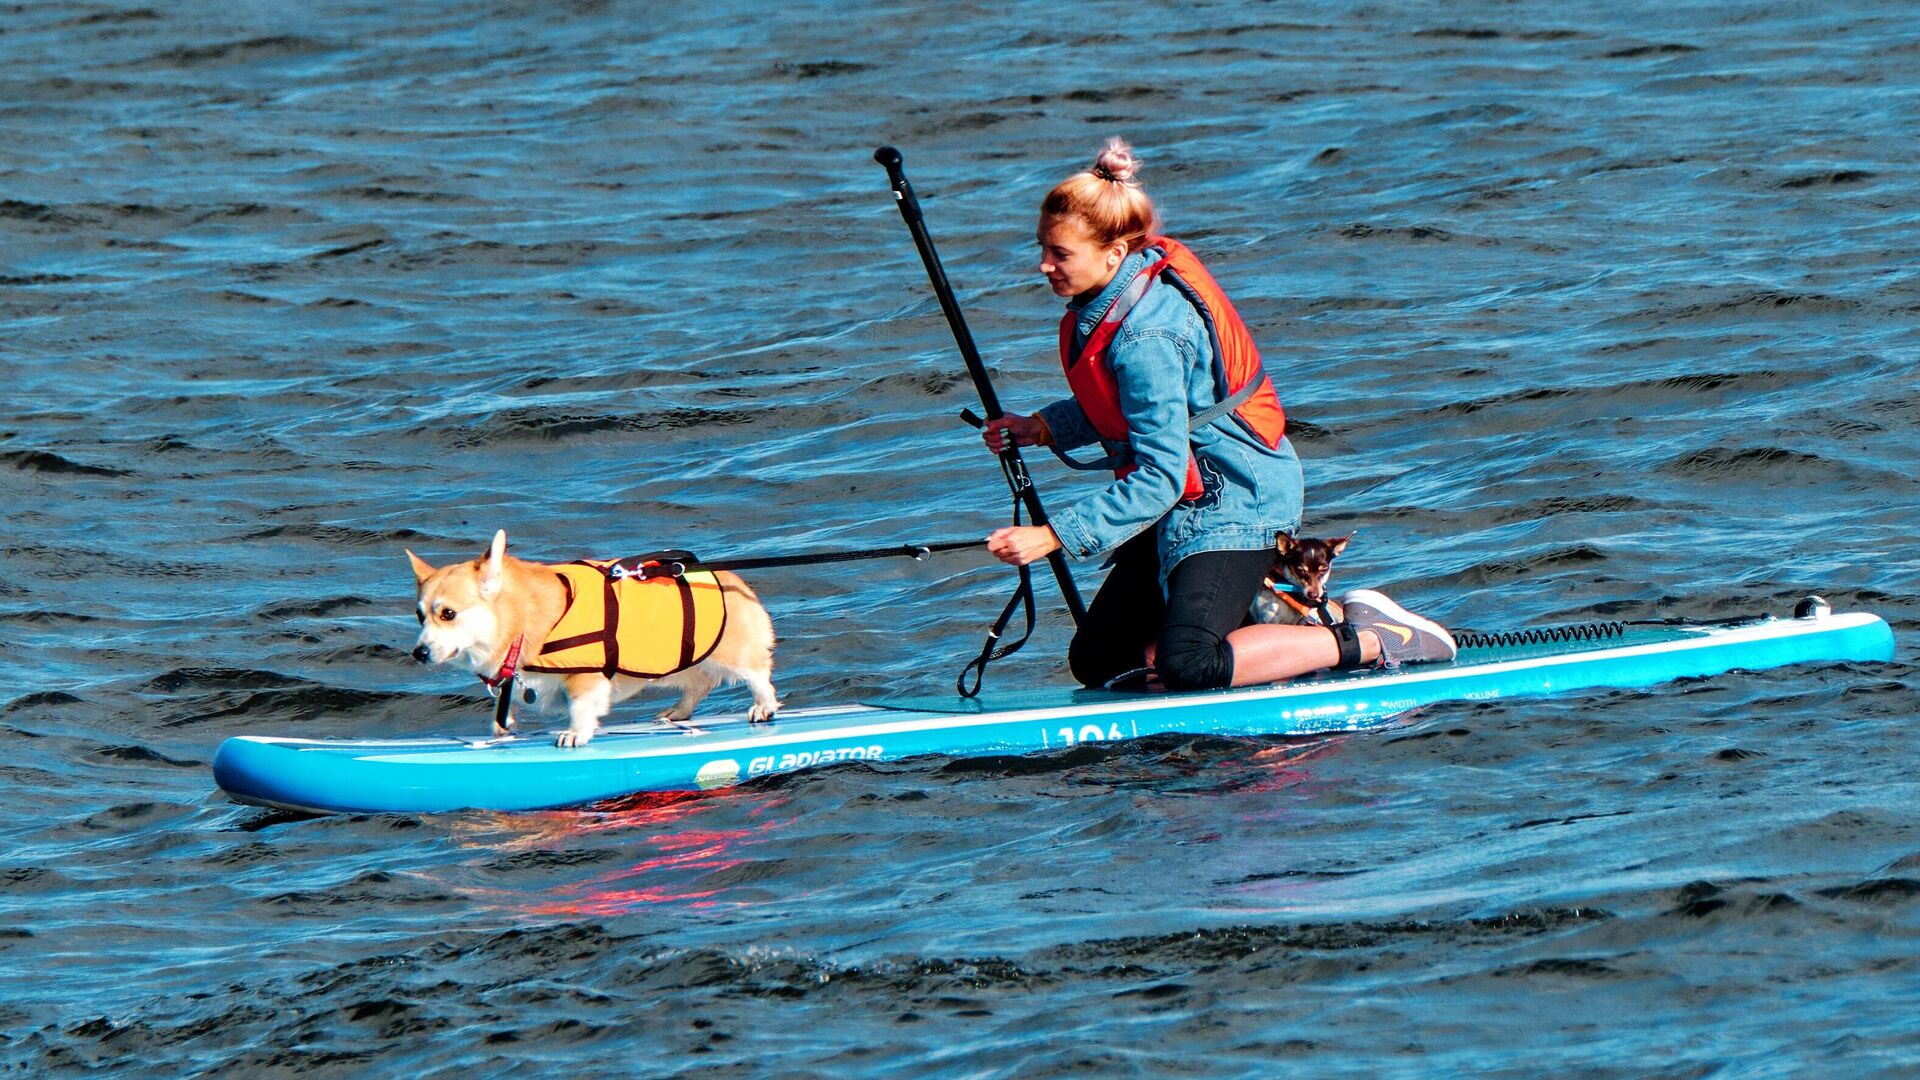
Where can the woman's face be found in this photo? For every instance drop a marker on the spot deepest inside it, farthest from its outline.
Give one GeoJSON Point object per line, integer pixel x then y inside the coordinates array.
{"type": "Point", "coordinates": [1072, 261]}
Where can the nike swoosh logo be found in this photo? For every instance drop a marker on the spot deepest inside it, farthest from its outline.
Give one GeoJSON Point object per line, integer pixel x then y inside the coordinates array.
{"type": "Point", "coordinates": [1406, 633]}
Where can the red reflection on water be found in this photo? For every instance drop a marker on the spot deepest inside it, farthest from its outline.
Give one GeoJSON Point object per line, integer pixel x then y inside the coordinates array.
{"type": "Point", "coordinates": [681, 856]}
{"type": "Point", "coordinates": [622, 901]}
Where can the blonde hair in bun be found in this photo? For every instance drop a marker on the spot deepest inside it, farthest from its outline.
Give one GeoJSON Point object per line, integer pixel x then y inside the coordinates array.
{"type": "Point", "coordinates": [1107, 198]}
{"type": "Point", "coordinates": [1115, 162]}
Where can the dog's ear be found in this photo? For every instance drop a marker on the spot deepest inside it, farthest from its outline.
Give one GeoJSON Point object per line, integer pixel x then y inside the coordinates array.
{"type": "Point", "coordinates": [492, 564]}
{"type": "Point", "coordinates": [421, 571]}
{"type": "Point", "coordinates": [1283, 543]}
{"type": "Point", "coordinates": [1337, 546]}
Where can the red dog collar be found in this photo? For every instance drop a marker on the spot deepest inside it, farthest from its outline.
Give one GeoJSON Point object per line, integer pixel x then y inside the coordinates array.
{"type": "Point", "coordinates": [507, 668]}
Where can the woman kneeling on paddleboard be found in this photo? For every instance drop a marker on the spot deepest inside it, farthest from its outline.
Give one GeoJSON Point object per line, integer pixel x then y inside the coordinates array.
{"type": "Point", "coordinates": [1166, 378]}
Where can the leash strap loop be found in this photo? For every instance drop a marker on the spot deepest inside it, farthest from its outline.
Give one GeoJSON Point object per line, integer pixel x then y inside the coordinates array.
{"type": "Point", "coordinates": [991, 650]}
{"type": "Point", "coordinates": [1016, 473]}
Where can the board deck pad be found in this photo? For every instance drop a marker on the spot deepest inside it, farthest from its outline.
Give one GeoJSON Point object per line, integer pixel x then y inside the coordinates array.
{"type": "Point", "coordinates": [527, 771]}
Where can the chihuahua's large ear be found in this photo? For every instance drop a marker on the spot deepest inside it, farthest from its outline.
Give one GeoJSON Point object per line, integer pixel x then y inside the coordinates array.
{"type": "Point", "coordinates": [421, 571]}
{"type": "Point", "coordinates": [491, 565]}
{"type": "Point", "coordinates": [1340, 545]}
{"type": "Point", "coordinates": [1283, 543]}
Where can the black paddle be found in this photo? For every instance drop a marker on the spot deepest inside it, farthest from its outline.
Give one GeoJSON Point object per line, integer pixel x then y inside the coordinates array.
{"type": "Point", "coordinates": [1011, 463]}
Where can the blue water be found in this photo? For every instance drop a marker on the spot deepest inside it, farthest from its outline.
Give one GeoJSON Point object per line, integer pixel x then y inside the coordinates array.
{"type": "Point", "coordinates": [1579, 311]}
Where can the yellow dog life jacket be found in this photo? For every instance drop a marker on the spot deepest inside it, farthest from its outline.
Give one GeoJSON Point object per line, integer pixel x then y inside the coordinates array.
{"type": "Point", "coordinates": [647, 628]}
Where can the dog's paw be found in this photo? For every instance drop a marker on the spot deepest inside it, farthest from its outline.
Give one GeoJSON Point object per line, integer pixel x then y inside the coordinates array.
{"type": "Point", "coordinates": [571, 738]}
{"type": "Point", "coordinates": [761, 714]}
{"type": "Point", "coordinates": [675, 716]}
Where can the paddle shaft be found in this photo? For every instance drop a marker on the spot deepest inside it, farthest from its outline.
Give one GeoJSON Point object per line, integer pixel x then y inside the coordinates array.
{"type": "Point", "coordinates": [1011, 462]}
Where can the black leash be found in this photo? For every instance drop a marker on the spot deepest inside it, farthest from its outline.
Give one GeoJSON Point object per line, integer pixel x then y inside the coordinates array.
{"type": "Point", "coordinates": [677, 563]}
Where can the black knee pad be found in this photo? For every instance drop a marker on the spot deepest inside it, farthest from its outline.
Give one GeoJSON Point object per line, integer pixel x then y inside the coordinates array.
{"type": "Point", "coordinates": [1194, 665]}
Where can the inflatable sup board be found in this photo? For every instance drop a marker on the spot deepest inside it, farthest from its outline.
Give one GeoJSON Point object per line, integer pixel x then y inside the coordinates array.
{"type": "Point", "coordinates": [526, 771]}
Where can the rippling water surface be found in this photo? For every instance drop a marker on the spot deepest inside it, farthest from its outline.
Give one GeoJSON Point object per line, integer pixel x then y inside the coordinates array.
{"type": "Point", "coordinates": [1581, 310]}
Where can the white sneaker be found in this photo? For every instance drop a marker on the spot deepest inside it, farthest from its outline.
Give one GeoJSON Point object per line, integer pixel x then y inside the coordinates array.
{"type": "Point", "coordinates": [1405, 638]}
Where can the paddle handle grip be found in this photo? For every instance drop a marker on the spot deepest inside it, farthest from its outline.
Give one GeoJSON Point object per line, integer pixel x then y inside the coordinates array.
{"type": "Point", "coordinates": [890, 159]}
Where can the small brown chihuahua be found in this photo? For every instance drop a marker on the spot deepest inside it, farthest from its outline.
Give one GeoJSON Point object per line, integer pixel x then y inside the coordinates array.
{"type": "Point", "coordinates": [1296, 585]}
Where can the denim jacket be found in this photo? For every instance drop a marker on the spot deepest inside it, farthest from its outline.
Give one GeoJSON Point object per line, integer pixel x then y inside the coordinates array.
{"type": "Point", "coordinates": [1162, 359]}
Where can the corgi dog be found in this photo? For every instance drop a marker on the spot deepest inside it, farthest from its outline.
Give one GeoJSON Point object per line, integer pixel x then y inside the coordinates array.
{"type": "Point", "coordinates": [496, 615]}
{"type": "Point", "coordinates": [1295, 591]}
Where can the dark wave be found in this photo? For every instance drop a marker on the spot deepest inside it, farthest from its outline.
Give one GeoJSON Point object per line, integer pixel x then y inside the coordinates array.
{"type": "Point", "coordinates": [1474, 34]}
{"type": "Point", "coordinates": [931, 384]}
{"type": "Point", "coordinates": [1767, 303]}
{"type": "Point", "coordinates": [340, 535]}
{"type": "Point", "coordinates": [143, 755]}
{"type": "Point", "coordinates": [292, 705]}
{"type": "Point", "coordinates": [72, 563]}
{"type": "Point", "coordinates": [374, 886]}
{"type": "Point", "coordinates": [1572, 968]}
{"type": "Point", "coordinates": [1637, 51]}
{"type": "Point", "coordinates": [47, 462]}
{"type": "Point", "coordinates": [322, 608]}
{"type": "Point", "coordinates": [1661, 389]}
{"type": "Point", "coordinates": [1496, 571]}
{"type": "Point", "coordinates": [1410, 233]}
{"type": "Point", "coordinates": [383, 193]}
{"type": "Point", "coordinates": [19, 210]}
{"type": "Point", "coordinates": [42, 699]}
{"type": "Point", "coordinates": [1774, 464]}
{"type": "Point", "coordinates": [172, 682]}
{"type": "Point", "coordinates": [551, 424]}
{"type": "Point", "coordinates": [37, 279]}
{"type": "Point", "coordinates": [1883, 891]}
{"type": "Point", "coordinates": [816, 69]}
{"type": "Point", "coordinates": [1558, 505]}
{"type": "Point", "coordinates": [249, 51]}
{"type": "Point", "coordinates": [114, 18]}
{"type": "Point", "coordinates": [1837, 178]}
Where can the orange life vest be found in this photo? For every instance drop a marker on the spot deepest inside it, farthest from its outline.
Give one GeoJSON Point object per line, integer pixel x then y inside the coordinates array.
{"type": "Point", "coordinates": [647, 628]}
{"type": "Point", "coordinates": [1245, 391]}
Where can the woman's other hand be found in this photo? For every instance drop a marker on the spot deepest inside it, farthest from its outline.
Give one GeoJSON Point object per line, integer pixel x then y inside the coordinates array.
{"type": "Point", "coordinates": [1018, 545]}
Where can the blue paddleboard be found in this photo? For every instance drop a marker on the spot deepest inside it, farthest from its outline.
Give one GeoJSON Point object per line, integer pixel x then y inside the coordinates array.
{"type": "Point", "coordinates": [526, 771]}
